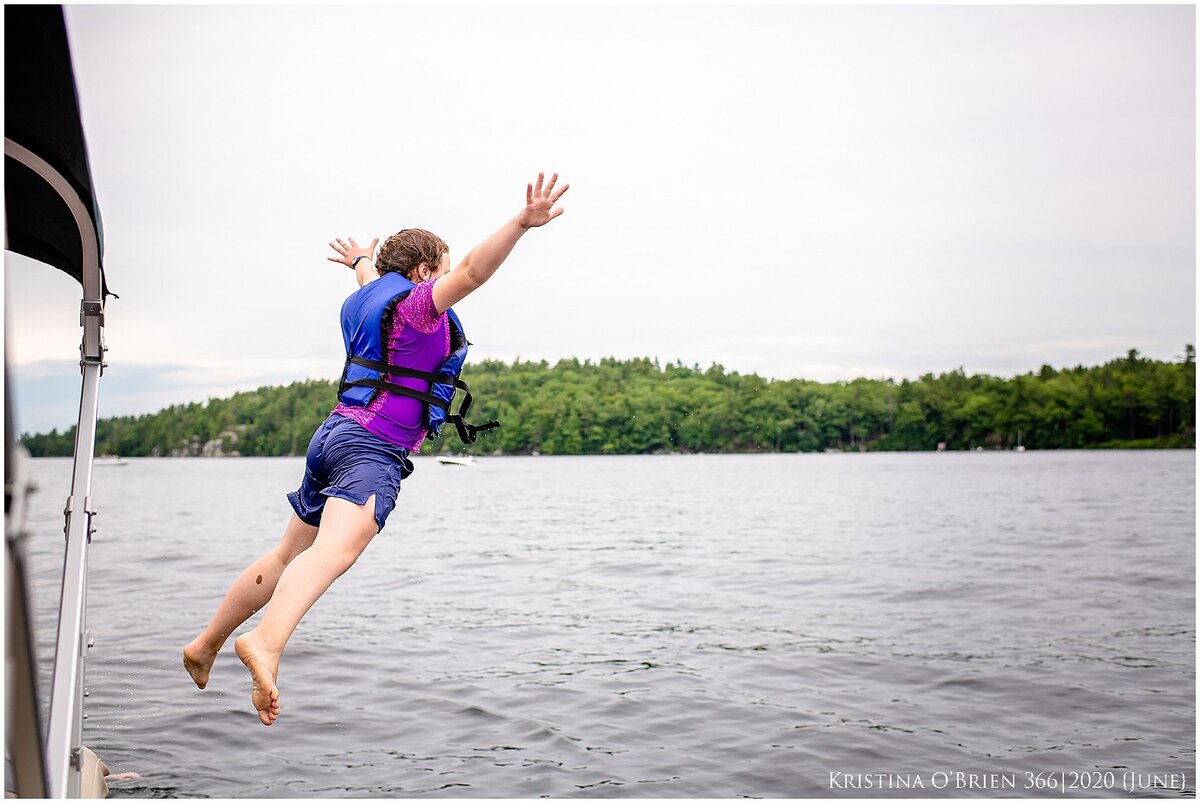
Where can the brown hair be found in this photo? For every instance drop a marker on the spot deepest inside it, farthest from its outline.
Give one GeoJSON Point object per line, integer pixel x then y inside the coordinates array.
{"type": "Point", "coordinates": [405, 250]}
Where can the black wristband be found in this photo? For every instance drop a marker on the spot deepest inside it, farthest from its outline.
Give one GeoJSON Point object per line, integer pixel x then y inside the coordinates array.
{"type": "Point", "coordinates": [354, 263]}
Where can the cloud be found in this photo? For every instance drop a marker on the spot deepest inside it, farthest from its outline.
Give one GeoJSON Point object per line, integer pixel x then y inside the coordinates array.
{"type": "Point", "coordinates": [814, 191]}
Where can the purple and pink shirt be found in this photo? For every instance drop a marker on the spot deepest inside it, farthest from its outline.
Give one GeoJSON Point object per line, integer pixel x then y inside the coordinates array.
{"type": "Point", "coordinates": [419, 338]}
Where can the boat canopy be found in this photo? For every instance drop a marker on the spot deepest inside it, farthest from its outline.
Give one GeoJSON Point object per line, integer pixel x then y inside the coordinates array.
{"type": "Point", "coordinates": [41, 116]}
{"type": "Point", "coordinates": [52, 217]}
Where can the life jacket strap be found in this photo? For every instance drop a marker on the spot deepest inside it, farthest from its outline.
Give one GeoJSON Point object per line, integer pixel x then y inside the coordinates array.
{"type": "Point", "coordinates": [398, 370]}
{"type": "Point", "coordinates": [379, 384]}
{"type": "Point", "coordinates": [468, 433]}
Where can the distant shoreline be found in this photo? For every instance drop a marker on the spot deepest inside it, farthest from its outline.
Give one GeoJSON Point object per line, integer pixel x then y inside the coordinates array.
{"type": "Point", "coordinates": [638, 406]}
{"type": "Point", "coordinates": [485, 455]}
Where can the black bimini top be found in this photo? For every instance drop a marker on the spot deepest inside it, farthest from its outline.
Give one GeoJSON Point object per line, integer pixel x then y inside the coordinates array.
{"type": "Point", "coordinates": [41, 113]}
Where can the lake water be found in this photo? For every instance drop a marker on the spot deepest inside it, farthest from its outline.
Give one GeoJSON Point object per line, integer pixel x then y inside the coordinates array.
{"type": "Point", "coordinates": [661, 626]}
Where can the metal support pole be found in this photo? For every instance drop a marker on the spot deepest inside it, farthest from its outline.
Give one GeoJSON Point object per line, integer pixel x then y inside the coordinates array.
{"type": "Point", "coordinates": [65, 736]}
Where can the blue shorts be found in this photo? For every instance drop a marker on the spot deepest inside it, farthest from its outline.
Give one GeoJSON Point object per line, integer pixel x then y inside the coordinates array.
{"type": "Point", "coordinates": [347, 461]}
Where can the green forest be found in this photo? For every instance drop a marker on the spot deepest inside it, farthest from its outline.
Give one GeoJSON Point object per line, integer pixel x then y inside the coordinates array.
{"type": "Point", "coordinates": [638, 406]}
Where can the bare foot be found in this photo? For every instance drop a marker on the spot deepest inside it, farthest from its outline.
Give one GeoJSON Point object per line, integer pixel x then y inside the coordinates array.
{"type": "Point", "coordinates": [198, 659]}
{"type": "Point", "coordinates": [263, 670]}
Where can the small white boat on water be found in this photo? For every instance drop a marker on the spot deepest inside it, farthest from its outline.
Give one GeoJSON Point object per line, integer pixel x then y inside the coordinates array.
{"type": "Point", "coordinates": [109, 460]}
{"type": "Point", "coordinates": [450, 460]}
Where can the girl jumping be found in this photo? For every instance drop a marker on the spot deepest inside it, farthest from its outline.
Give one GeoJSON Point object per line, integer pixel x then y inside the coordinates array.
{"type": "Point", "coordinates": [360, 453]}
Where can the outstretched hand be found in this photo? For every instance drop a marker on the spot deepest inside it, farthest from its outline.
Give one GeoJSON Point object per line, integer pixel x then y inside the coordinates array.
{"type": "Point", "coordinates": [348, 253]}
{"type": "Point", "coordinates": [539, 203]}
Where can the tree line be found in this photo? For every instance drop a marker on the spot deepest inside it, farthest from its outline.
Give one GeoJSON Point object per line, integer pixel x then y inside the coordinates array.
{"type": "Point", "coordinates": [638, 406]}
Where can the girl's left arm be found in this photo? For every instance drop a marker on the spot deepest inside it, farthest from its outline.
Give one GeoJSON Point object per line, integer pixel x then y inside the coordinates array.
{"type": "Point", "coordinates": [364, 271]}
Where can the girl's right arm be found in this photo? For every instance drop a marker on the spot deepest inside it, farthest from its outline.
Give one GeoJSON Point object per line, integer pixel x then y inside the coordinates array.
{"type": "Point", "coordinates": [479, 265]}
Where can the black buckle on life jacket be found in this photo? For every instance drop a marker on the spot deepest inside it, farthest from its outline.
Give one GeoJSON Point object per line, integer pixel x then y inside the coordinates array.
{"type": "Point", "coordinates": [468, 433]}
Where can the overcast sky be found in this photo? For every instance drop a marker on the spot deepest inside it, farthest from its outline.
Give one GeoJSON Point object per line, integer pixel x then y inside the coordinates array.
{"type": "Point", "coordinates": [820, 192]}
